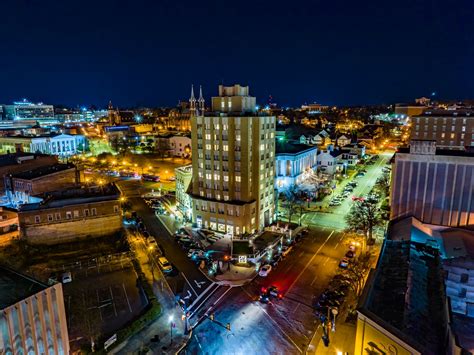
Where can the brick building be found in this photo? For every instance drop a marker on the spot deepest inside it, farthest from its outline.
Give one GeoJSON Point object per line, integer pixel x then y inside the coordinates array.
{"type": "Point", "coordinates": [20, 162]}
{"type": "Point", "coordinates": [72, 214]}
{"type": "Point", "coordinates": [24, 186]}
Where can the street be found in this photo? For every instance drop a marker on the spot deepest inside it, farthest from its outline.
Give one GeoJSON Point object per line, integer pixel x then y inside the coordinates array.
{"type": "Point", "coordinates": [284, 326]}
{"type": "Point", "coordinates": [335, 218]}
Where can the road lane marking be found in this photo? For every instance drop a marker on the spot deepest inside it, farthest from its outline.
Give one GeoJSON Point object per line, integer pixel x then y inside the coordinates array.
{"type": "Point", "coordinates": [314, 280]}
{"type": "Point", "coordinates": [335, 247]}
{"type": "Point", "coordinates": [327, 259]}
{"type": "Point", "coordinates": [199, 343]}
{"type": "Point", "coordinates": [126, 296]}
{"type": "Point", "coordinates": [274, 322]}
{"type": "Point", "coordinates": [186, 279]}
{"type": "Point", "coordinates": [310, 261]}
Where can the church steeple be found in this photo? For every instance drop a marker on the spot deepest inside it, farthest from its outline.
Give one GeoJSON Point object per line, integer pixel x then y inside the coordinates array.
{"type": "Point", "coordinates": [192, 102]}
{"type": "Point", "coordinates": [201, 101]}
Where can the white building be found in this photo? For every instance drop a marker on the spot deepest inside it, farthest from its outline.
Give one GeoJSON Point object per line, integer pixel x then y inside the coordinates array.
{"type": "Point", "coordinates": [184, 175]}
{"type": "Point", "coordinates": [180, 146]}
{"type": "Point", "coordinates": [328, 161]}
{"type": "Point", "coordinates": [62, 145]}
{"type": "Point", "coordinates": [292, 163]}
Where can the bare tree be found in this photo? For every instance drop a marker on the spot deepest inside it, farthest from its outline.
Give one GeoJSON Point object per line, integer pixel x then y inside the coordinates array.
{"type": "Point", "coordinates": [357, 272]}
{"type": "Point", "coordinates": [364, 216]}
{"type": "Point", "coordinates": [291, 201]}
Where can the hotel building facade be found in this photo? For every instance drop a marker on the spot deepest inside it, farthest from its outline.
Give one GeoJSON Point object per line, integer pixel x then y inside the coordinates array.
{"type": "Point", "coordinates": [232, 187]}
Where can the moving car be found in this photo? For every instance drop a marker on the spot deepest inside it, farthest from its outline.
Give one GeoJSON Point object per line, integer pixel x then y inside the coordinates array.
{"type": "Point", "coordinates": [266, 294]}
{"type": "Point", "coordinates": [344, 263]}
{"type": "Point", "coordinates": [66, 277]}
{"type": "Point", "coordinates": [165, 264]}
{"type": "Point", "coordinates": [265, 270]}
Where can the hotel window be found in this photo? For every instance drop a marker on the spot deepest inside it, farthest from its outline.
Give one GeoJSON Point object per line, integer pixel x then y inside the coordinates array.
{"type": "Point", "coordinates": [216, 126]}
{"type": "Point", "coordinates": [208, 136]}
{"type": "Point", "coordinates": [76, 214]}
{"type": "Point", "coordinates": [452, 135]}
{"type": "Point", "coordinates": [452, 128]}
{"type": "Point", "coordinates": [225, 147]}
{"type": "Point", "coordinates": [93, 211]}
{"type": "Point", "coordinates": [86, 212]}
{"type": "Point", "coordinates": [116, 209]}
{"type": "Point", "coordinates": [237, 137]}
{"type": "Point", "coordinates": [230, 211]}
{"type": "Point", "coordinates": [226, 177]}
{"type": "Point", "coordinates": [464, 128]}
{"type": "Point", "coordinates": [58, 216]}
{"type": "Point", "coordinates": [443, 135]}
{"type": "Point", "coordinates": [237, 177]}
{"type": "Point", "coordinates": [68, 215]}
{"type": "Point", "coordinates": [50, 217]}
{"type": "Point", "coordinates": [37, 219]}
{"type": "Point", "coordinates": [208, 147]}
{"type": "Point", "coordinates": [218, 196]}
{"type": "Point", "coordinates": [201, 193]}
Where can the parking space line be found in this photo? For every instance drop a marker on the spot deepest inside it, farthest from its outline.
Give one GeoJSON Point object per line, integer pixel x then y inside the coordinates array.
{"type": "Point", "coordinates": [112, 299]}
{"type": "Point", "coordinates": [335, 247]}
{"type": "Point", "coordinates": [126, 296]}
{"type": "Point", "coordinates": [314, 280]}
{"type": "Point", "coordinates": [98, 303]}
{"type": "Point", "coordinates": [327, 259]}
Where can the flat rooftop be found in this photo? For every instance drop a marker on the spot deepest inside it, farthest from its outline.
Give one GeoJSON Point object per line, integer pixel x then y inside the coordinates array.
{"type": "Point", "coordinates": [43, 171]}
{"type": "Point", "coordinates": [291, 148]}
{"type": "Point", "coordinates": [15, 287]}
{"type": "Point", "coordinates": [74, 196]}
{"type": "Point", "coordinates": [266, 239]}
{"type": "Point", "coordinates": [13, 159]}
{"type": "Point", "coordinates": [447, 152]}
{"type": "Point", "coordinates": [446, 113]}
{"type": "Point", "coordinates": [405, 295]}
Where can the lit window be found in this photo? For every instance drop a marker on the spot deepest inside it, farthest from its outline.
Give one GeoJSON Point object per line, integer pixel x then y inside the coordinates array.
{"type": "Point", "coordinates": [226, 177]}
{"type": "Point", "coordinates": [237, 178]}
{"type": "Point", "coordinates": [225, 147]}
{"type": "Point", "coordinates": [208, 136]}
{"type": "Point", "coordinates": [262, 147]}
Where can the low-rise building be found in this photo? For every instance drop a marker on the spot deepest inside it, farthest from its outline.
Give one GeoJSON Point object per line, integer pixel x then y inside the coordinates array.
{"type": "Point", "coordinates": [72, 214]}
{"type": "Point", "coordinates": [62, 145]}
{"type": "Point", "coordinates": [328, 161]}
{"type": "Point", "coordinates": [342, 141]}
{"type": "Point", "coordinates": [28, 186]}
{"type": "Point", "coordinates": [11, 164]}
{"type": "Point", "coordinates": [180, 146]}
{"type": "Point", "coordinates": [292, 163]}
{"type": "Point", "coordinates": [184, 175]}
{"type": "Point", "coordinates": [403, 309]}
{"type": "Point", "coordinates": [32, 316]}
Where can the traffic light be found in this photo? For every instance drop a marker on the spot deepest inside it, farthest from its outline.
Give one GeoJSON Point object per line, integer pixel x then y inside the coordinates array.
{"type": "Point", "coordinates": [227, 326]}
{"type": "Point", "coordinates": [211, 317]}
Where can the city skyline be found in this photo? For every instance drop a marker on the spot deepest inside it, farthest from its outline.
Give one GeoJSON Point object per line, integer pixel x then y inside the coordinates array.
{"type": "Point", "coordinates": [149, 55]}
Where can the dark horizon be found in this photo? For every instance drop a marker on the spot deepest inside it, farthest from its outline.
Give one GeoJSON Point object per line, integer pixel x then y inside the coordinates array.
{"type": "Point", "coordinates": [148, 54]}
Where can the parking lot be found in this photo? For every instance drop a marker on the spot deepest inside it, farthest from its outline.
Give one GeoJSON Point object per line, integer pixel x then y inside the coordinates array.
{"type": "Point", "coordinates": [102, 297]}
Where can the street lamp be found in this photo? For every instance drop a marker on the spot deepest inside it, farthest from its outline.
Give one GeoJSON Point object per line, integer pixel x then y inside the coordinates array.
{"type": "Point", "coordinates": [170, 319]}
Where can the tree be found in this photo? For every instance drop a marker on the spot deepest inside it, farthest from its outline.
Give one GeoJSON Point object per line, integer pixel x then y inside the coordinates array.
{"type": "Point", "coordinates": [383, 183]}
{"type": "Point", "coordinates": [356, 273]}
{"type": "Point", "coordinates": [291, 201]}
{"type": "Point", "coordinates": [364, 216]}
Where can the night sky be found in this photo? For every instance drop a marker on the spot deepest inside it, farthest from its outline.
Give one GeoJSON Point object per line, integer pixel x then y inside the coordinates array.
{"type": "Point", "coordinates": [149, 52]}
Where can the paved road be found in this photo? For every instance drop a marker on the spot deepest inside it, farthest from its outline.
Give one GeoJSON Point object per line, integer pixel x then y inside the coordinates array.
{"type": "Point", "coordinates": [186, 280]}
{"type": "Point", "coordinates": [335, 219]}
{"type": "Point", "coordinates": [285, 326]}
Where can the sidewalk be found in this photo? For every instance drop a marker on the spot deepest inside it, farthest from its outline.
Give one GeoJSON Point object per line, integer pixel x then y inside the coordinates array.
{"type": "Point", "coordinates": [236, 275]}
{"type": "Point", "coordinates": [143, 341]}
{"type": "Point", "coordinates": [340, 341]}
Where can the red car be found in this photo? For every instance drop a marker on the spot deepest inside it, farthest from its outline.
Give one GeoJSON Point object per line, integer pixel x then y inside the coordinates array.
{"type": "Point", "coordinates": [360, 198]}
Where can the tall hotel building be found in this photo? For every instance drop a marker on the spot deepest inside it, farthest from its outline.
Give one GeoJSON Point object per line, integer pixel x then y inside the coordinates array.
{"type": "Point", "coordinates": [232, 187]}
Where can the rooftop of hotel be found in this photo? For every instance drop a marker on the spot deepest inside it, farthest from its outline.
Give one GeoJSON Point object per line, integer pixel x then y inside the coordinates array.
{"type": "Point", "coordinates": [75, 196]}
{"type": "Point", "coordinates": [43, 171]}
{"type": "Point", "coordinates": [15, 287]}
{"type": "Point", "coordinates": [468, 152]}
{"type": "Point", "coordinates": [405, 295]}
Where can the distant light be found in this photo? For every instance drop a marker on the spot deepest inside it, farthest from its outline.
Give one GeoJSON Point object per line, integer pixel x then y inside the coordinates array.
{"type": "Point", "coordinates": [257, 107]}
{"type": "Point", "coordinates": [433, 93]}
{"type": "Point", "coordinates": [267, 107]}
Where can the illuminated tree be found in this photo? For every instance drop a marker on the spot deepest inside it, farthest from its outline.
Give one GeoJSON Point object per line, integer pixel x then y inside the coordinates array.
{"type": "Point", "coordinates": [364, 216]}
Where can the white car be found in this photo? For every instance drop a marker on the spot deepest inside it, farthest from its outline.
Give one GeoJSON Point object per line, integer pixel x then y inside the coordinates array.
{"type": "Point", "coordinates": [195, 252]}
{"type": "Point", "coordinates": [265, 270]}
{"type": "Point", "coordinates": [66, 277]}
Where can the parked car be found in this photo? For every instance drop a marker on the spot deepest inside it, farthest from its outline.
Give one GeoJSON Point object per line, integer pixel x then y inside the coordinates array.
{"type": "Point", "coordinates": [350, 254]}
{"type": "Point", "coordinates": [165, 264]}
{"type": "Point", "coordinates": [265, 270]}
{"type": "Point", "coordinates": [195, 253]}
{"type": "Point", "coordinates": [66, 277]}
{"type": "Point", "coordinates": [53, 278]}
{"type": "Point", "coordinates": [151, 242]}
{"type": "Point", "coordinates": [344, 263]}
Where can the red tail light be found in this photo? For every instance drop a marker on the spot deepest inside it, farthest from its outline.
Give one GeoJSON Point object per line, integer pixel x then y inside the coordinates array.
{"type": "Point", "coordinates": [280, 296]}
{"type": "Point", "coordinates": [264, 290]}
